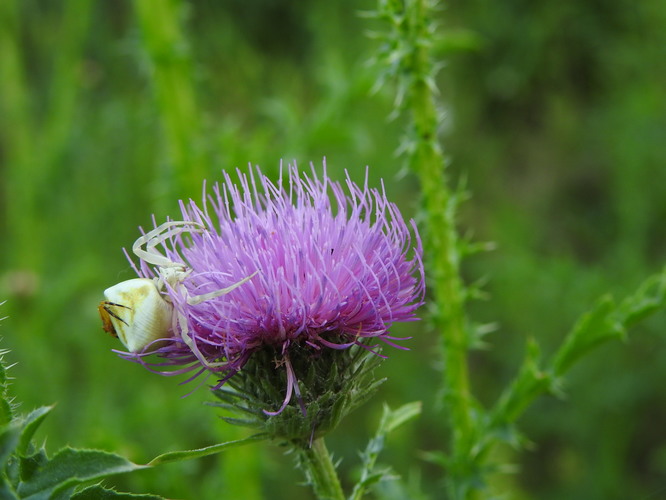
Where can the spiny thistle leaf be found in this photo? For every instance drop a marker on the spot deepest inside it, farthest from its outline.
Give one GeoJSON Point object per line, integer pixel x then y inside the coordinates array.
{"type": "Point", "coordinates": [27, 472]}
{"type": "Point", "coordinates": [70, 467]}
{"type": "Point", "coordinates": [30, 425]}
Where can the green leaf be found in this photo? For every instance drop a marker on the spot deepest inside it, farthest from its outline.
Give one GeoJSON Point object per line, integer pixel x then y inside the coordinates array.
{"type": "Point", "coordinates": [650, 297]}
{"type": "Point", "coordinates": [395, 418]}
{"type": "Point", "coordinates": [30, 425]}
{"type": "Point", "coordinates": [70, 467]}
{"type": "Point", "coordinates": [608, 321]}
{"type": "Point", "coordinates": [178, 456]}
{"type": "Point", "coordinates": [375, 477]}
{"type": "Point", "coordinates": [593, 328]}
{"type": "Point", "coordinates": [9, 439]}
{"type": "Point", "coordinates": [28, 466]}
{"type": "Point", "coordinates": [6, 490]}
{"type": "Point", "coordinates": [97, 492]}
{"type": "Point", "coordinates": [530, 383]}
{"type": "Point", "coordinates": [391, 419]}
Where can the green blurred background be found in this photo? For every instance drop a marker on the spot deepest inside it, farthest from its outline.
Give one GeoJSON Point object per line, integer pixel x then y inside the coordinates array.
{"type": "Point", "coordinates": [555, 112]}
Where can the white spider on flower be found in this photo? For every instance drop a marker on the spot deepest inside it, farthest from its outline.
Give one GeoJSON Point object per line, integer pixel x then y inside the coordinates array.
{"type": "Point", "coordinates": [138, 312]}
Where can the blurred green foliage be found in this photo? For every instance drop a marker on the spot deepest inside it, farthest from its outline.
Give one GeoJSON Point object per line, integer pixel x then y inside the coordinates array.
{"type": "Point", "coordinates": [112, 111]}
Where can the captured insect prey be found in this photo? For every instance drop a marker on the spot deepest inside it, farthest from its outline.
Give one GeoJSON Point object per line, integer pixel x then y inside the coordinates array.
{"type": "Point", "coordinates": [106, 309]}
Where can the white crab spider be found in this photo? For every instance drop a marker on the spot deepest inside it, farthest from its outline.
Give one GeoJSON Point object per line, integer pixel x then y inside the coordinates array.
{"type": "Point", "coordinates": [137, 312]}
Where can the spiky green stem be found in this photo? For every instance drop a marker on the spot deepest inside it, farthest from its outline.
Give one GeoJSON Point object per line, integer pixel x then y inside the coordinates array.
{"type": "Point", "coordinates": [321, 472]}
{"type": "Point", "coordinates": [442, 241]}
{"type": "Point", "coordinates": [409, 59]}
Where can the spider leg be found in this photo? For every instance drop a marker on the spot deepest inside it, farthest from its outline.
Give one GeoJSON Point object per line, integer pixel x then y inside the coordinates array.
{"type": "Point", "coordinates": [184, 333]}
{"type": "Point", "coordinates": [159, 235]}
{"type": "Point", "coordinates": [198, 299]}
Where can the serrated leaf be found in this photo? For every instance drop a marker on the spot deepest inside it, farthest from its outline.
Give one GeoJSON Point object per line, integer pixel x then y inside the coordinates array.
{"type": "Point", "coordinates": [63, 493]}
{"type": "Point", "coordinates": [97, 492]}
{"type": "Point", "coordinates": [30, 425]}
{"type": "Point", "coordinates": [178, 456]}
{"type": "Point", "coordinates": [70, 467]}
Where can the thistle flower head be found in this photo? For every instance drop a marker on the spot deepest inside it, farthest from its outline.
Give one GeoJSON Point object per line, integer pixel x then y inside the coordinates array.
{"type": "Point", "coordinates": [330, 268]}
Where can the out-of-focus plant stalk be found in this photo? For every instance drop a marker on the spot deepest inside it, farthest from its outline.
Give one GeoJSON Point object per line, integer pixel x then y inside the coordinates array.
{"type": "Point", "coordinates": [16, 123]}
{"type": "Point", "coordinates": [171, 71]}
{"type": "Point", "coordinates": [66, 77]}
{"type": "Point", "coordinates": [32, 146]}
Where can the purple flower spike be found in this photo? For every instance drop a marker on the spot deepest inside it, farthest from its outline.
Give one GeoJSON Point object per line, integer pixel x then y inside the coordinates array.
{"type": "Point", "coordinates": [334, 268]}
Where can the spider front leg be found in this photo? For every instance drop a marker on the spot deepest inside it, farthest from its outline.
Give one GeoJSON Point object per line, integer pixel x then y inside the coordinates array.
{"type": "Point", "coordinates": [159, 235]}
{"type": "Point", "coordinates": [185, 335]}
{"type": "Point", "coordinates": [198, 299]}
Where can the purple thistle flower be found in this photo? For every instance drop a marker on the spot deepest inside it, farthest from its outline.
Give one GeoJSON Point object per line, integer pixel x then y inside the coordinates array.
{"type": "Point", "coordinates": [333, 269]}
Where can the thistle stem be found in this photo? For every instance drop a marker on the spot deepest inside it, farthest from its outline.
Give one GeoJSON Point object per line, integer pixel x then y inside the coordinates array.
{"type": "Point", "coordinates": [443, 248]}
{"type": "Point", "coordinates": [321, 471]}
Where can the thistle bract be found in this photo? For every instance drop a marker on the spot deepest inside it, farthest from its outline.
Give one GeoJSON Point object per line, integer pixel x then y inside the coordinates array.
{"type": "Point", "coordinates": [335, 268]}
